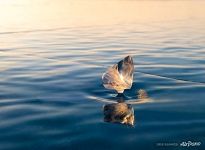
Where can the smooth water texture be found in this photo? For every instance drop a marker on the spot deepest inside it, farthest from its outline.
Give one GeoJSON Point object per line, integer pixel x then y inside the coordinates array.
{"type": "Point", "coordinates": [52, 57]}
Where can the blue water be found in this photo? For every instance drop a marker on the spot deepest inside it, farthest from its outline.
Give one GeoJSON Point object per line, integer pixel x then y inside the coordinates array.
{"type": "Point", "coordinates": [49, 80]}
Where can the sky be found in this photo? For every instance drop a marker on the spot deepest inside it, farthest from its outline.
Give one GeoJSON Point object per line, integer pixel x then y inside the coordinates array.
{"type": "Point", "coordinates": [35, 14]}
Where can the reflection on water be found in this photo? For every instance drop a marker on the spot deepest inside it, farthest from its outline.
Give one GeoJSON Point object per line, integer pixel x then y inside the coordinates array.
{"type": "Point", "coordinates": [52, 57]}
{"type": "Point", "coordinates": [119, 113]}
{"type": "Point", "coordinates": [121, 110]}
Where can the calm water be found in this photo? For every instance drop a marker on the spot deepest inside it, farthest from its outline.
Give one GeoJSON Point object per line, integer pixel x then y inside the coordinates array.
{"type": "Point", "coordinates": [52, 56]}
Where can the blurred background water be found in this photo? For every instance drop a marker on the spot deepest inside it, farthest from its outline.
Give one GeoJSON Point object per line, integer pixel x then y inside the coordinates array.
{"type": "Point", "coordinates": [52, 56]}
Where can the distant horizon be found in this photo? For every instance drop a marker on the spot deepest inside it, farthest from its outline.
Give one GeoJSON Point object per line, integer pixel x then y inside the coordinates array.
{"type": "Point", "coordinates": [23, 15]}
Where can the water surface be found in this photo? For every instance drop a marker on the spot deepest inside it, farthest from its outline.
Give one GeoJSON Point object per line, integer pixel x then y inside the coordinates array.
{"type": "Point", "coordinates": [52, 56]}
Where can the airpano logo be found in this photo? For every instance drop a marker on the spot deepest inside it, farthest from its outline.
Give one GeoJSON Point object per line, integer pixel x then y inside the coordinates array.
{"type": "Point", "coordinates": [179, 144]}
{"type": "Point", "coordinates": [190, 144]}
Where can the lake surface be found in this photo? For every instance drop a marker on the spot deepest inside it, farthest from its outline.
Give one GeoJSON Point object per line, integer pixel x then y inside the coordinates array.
{"type": "Point", "coordinates": [52, 57]}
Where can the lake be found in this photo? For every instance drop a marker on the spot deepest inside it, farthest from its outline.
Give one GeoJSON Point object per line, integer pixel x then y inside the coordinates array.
{"type": "Point", "coordinates": [52, 57]}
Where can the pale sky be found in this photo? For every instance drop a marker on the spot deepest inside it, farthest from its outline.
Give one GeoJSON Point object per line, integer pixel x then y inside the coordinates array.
{"type": "Point", "coordinates": [24, 14]}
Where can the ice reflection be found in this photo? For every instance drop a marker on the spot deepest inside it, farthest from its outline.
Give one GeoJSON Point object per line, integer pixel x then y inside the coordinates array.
{"type": "Point", "coordinates": [119, 113]}
{"type": "Point", "coordinates": [119, 109]}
